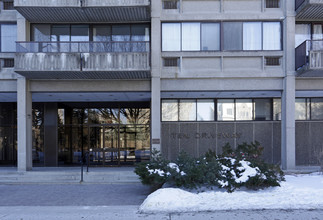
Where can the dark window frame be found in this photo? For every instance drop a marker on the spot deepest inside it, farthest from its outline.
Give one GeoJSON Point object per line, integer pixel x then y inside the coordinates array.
{"type": "Point", "coordinates": [221, 36]}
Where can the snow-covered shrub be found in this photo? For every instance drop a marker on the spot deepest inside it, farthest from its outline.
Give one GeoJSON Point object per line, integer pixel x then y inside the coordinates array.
{"type": "Point", "coordinates": [231, 170]}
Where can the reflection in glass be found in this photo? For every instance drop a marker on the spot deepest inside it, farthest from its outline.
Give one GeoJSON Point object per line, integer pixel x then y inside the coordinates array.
{"type": "Point", "coordinates": [169, 110]}
{"type": "Point", "coordinates": [210, 36]}
{"type": "Point", "coordinates": [243, 109]}
{"type": "Point", "coordinates": [226, 109]}
{"type": "Point", "coordinates": [38, 135]}
{"type": "Point", "coordinates": [205, 110]}
{"type": "Point", "coordinates": [263, 109]}
{"type": "Point", "coordinates": [277, 109]}
{"type": "Point", "coordinates": [8, 37]}
{"type": "Point", "coordinates": [300, 109]}
{"type": "Point", "coordinates": [317, 108]}
{"type": "Point", "coordinates": [187, 110]}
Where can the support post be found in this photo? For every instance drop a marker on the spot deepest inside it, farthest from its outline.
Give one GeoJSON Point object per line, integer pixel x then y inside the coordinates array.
{"type": "Point", "coordinates": [24, 113]}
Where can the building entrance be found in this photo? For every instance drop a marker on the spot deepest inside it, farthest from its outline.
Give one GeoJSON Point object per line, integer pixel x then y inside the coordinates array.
{"type": "Point", "coordinates": [112, 137]}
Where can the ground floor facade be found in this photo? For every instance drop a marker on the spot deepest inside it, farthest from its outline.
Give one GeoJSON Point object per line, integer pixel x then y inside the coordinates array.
{"type": "Point", "coordinates": [120, 133]}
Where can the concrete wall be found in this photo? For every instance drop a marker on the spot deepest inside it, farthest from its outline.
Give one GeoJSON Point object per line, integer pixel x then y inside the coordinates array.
{"type": "Point", "coordinates": [197, 138]}
{"type": "Point", "coordinates": [76, 3]}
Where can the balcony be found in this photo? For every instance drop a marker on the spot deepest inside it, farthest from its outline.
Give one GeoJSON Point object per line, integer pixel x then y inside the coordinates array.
{"type": "Point", "coordinates": [309, 58]}
{"type": "Point", "coordinates": [83, 60]}
{"type": "Point", "coordinates": [308, 9]}
{"type": "Point", "coordinates": [83, 11]}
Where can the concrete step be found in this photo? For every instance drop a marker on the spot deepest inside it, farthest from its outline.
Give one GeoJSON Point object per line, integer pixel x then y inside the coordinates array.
{"type": "Point", "coordinates": [108, 176]}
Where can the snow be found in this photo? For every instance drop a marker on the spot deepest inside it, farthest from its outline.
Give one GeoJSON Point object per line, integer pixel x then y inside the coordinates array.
{"type": "Point", "coordinates": [247, 172]}
{"type": "Point", "coordinates": [297, 192]}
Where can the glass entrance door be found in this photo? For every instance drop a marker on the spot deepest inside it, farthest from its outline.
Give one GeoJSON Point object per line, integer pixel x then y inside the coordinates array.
{"type": "Point", "coordinates": [104, 145]}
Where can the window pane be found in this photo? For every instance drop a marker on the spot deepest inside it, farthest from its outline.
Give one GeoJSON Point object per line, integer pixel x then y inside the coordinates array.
{"type": "Point", "coordinates": [40, 32]}
{"type": "Point", "coordinates": [187, 110]}
{"type": "Point", "coordinates": [232, 32]}
{"type": "Point", "coordinates": [244, 109]}
{"type": "Point", "coordinates": [252, 36]}
{"type": "Point", "coordinates": [263, 109]}
{"type": "Point", "coordinates": [302, 33]}
{"type": "Point", "coordinates": [121, 33]}
{"type": "Point", "coordinates": [191, 36]}
{"type": "Point", "coordinates": [300, 109]}
{"type": "Point", "coordinates": [277, 109]}
{"type": "Point", "coordinates": [101, 33]}
{"type": "Point", "coordinates": [210, 36]}
{"type": "Point", "coordinates": [205, 110]}
{"type": "Point", "coordinates": [8, 37]}
{"type": "Point", "coordinates": [60, 33]}
{"type": "Point", "coordinates": [140, 32]}
{"type": "Point", "coordinates": [225, 109]}
{"type": "Point", "coordinates": [317, 108]}
{"type": "Point", "coordinates": [271, 36]}
{"type": "Point", "coordinates": [171, 35]}
{"type": "Point", "coordinates": [169, 110]}
{"type": "Point", "coordinates": [80, 33]}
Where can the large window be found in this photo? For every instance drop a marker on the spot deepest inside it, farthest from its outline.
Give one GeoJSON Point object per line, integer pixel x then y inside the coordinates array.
{"type": "Point", "coordinates": [237, 36]}
{"type": "Point", "coordinates": [171, 35]}
{"type": "Point", "coordinates": [8, 37]}
{"type": "Point", "coordinates": [105, 38]}
{"type": "Point", "coordinates": [225, 109]}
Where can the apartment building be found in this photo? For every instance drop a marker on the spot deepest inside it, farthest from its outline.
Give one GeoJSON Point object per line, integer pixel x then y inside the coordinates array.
{"type": "Point", "coordinates": [118, 78]}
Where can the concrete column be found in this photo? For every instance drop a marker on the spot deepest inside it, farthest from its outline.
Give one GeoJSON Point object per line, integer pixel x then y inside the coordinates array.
{"type": "Point", "coordinates": [23, 28]}
{"type": "Point", "coordinates": [50, 135]}
{"type": "Point", "coordinates": [156, 74]}
{"type": "Point", "coordinates": [288, 160]}
{"type": "Point", "coordinates": [155, 114]}
{"type": "Point", "coordinates": [24, 112]}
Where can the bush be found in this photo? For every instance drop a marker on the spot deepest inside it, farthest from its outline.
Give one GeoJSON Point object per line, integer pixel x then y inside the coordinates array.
{"type": "Point", "coordinates": [233, 169]}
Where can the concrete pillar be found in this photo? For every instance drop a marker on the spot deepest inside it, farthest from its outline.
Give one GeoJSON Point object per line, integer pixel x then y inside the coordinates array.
{"type": "Point", "coordinates": [155, 114]}
{"type": "Point", "coordinates": [50, 135]}
{"type": "Point", "coordinates": [156, 75]}
{"type": "Point", "coordinates": [24, 112]}
{"type": "Point", "coordinates": [288, 152]}
{"type": "Point", "coordinates": [23, 28]}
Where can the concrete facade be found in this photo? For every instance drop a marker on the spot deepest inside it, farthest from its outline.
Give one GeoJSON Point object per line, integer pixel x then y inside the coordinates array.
{"type": "Point", "coordinates": [56, 77]}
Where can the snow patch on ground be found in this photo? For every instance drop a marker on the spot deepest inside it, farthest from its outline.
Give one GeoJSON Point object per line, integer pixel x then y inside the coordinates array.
{"type": "Point", "coordinates": [298, 192]}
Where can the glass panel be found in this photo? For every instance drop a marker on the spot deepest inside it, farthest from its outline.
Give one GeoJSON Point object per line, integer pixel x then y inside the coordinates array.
{"type": "Point", "coordinates": [110, 152]}
{"type": "Point", "coordinates": [232, 32]}
{"type": "Point", "coordinates": [317, 108]}
{"type": "Point", "coordinates": [210, 36]}
{"type": "Point", "coordinates": [142, 148]}
{"type": "Point", "coordinates": [271, 36]}
{"type": "Point", "coordinates": [121, 33]}
{"type": "Point", "coordinates": [38, 136]}
{"type": "Point", "coordinates": [140, 33]}
{"type": "Point", "coordinates": [191, 36]}
{"type": "Point", "coordinates": [277, 109]}
{"type": "Point", "coordinates": [60, 33]}
{"type": "Point", "coordinates": [300, 109]}
{"type": "Point", "coordinates": [80, 33]}
{"type": "Point", "coordinates": [187, 110]}
{"type": "Point", "coordinates": [226, 109]}
{"type": "Point", "coordinates": [263, 109]}
{"type": "Point", "coordinates": [302, 33]}
{"type": "Point", "coordinates": [134, 116]}
{"type": "Point", "coordinates": [40, 32]}
{"type": "Point", "coordinates": [169, 110]}
{"type": "Point", "coordinates": [205, 110]}
{"type": "Point", "coordinates": [102, 34]}
{"type": "Point", "coordinates": [317, 35]}
{"type": "Point", "coordinates": [80, 116]}
{"type": "Point", "coordinates": [244, 109]}
{"type": "Point", "coordinates": [8, 37]}
{"type": "Point", "coordinates": [252, 36]}
{"type": "Point", "coordinates": [171, 36]}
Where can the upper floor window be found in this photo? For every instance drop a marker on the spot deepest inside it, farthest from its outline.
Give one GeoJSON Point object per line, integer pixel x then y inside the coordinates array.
{"type": "Point", "coordinates": [8, 37]}
{"type": "Point", "coordinates": [237, 36]}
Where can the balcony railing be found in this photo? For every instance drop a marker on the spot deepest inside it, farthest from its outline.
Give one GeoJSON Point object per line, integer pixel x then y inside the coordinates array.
{"type": "Point", "coordinates": [309, 55]}
{"type": "Point", "coordinates": [99, 60]}
{"type": "Point", "coordinates": [83, 47]}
